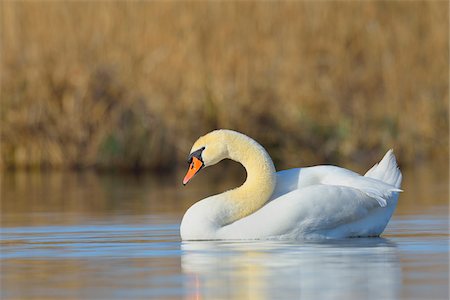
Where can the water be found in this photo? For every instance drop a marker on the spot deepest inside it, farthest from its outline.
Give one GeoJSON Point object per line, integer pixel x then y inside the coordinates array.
{"type": "Point", "coordinates": [73, 236]}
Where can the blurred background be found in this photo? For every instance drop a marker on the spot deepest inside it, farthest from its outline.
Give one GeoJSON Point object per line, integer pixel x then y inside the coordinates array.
{"type": "Point", "coordinates": [130, 85]}
{"type": "Point", "coordinates": [101, 102]}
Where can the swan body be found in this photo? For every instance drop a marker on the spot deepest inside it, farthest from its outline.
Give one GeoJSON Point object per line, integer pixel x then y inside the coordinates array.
{"type": "Point", "coordinates": [310, 202]}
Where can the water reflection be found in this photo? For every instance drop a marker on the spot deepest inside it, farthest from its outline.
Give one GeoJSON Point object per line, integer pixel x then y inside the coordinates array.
{"type": "Point", "coordinates": [29, 198]}
{"type": "Point", "coordinates": [344, 269]}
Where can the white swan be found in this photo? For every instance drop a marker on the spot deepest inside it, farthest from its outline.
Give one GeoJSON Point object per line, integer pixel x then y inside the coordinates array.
{"type": "Point", "coordinates": [312, 202]}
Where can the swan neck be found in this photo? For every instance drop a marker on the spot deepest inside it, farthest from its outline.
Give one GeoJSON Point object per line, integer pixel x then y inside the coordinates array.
{"type": "Point", "coordinates": [260, 181]}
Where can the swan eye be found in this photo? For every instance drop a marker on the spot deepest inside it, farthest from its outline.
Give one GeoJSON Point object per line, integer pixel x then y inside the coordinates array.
{"type": "Point", "coordinates": [197, 154]}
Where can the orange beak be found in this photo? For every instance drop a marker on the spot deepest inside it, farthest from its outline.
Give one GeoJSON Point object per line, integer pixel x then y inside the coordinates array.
{"type": "Point", "coordinates": [194, 167]}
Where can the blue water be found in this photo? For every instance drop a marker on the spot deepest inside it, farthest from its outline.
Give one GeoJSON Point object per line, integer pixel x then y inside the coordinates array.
{"type": "Point", "coordinates": [135, 256]}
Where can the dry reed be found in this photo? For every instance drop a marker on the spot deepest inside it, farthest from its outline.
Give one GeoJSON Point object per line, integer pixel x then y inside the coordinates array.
{"type": "Point", "coordinates": [133, 84]}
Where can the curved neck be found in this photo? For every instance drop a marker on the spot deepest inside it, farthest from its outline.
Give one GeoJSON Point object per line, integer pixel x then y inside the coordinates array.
{"type": "Point", "coordinates": [260, 183]}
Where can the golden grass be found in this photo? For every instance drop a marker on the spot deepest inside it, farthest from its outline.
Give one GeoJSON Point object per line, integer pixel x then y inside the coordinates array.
{"type": "Point", "coordinates": [133, 84]}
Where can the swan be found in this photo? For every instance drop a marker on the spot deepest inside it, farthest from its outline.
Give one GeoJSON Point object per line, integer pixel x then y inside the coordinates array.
{"type": "Point", "coordinates": [302, 203]}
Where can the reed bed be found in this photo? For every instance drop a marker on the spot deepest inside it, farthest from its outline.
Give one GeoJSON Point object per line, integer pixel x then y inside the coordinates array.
{"type": "Point", "coordinates": [131, 85]}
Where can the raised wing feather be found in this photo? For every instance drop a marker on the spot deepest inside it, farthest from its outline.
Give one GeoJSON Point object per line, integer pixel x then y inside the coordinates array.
{"type": "Point", "coordinates": [373, 188]}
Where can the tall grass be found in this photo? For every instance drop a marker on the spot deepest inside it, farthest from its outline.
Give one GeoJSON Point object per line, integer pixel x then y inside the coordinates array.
{"type": "Point", "coordinates": [132, 84]}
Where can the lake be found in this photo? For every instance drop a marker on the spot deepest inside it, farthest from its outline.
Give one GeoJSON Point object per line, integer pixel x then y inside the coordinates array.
{"type": "Point", "coordinates": [112, 236]}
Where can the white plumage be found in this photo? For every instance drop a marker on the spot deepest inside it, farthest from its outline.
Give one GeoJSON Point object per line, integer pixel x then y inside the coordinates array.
{"type": "Point", "coordinates": [311, 202]}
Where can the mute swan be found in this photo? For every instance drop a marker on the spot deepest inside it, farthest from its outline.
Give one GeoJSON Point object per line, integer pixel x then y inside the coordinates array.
{"type": "Point", "coordinates": [311, 202]}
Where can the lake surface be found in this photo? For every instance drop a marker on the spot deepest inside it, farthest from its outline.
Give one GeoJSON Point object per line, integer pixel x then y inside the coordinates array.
{"type": "Point", "coordinates": [91, 236]}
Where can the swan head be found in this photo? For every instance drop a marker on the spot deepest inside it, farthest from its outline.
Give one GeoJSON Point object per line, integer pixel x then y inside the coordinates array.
{"type": "Point", "coordinates": [208, 150]}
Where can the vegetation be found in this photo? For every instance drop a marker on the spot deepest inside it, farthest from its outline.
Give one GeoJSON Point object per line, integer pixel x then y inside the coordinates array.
{"type": "Point", "coordinates": [131, 85]}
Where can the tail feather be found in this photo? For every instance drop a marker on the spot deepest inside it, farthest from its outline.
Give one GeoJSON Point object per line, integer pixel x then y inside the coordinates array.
{"type": "Point", "coordinates": [386, 170]}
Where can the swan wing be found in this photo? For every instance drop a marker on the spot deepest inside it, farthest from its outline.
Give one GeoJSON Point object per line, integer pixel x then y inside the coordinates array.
{"type": "Point", "coordinates": [379, 182]}
{"type": "Point", "coordinates": [313, 210]}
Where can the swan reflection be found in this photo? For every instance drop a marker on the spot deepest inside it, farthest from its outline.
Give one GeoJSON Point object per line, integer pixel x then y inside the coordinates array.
{"type": "Point", "coordinates": [340, 269]}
